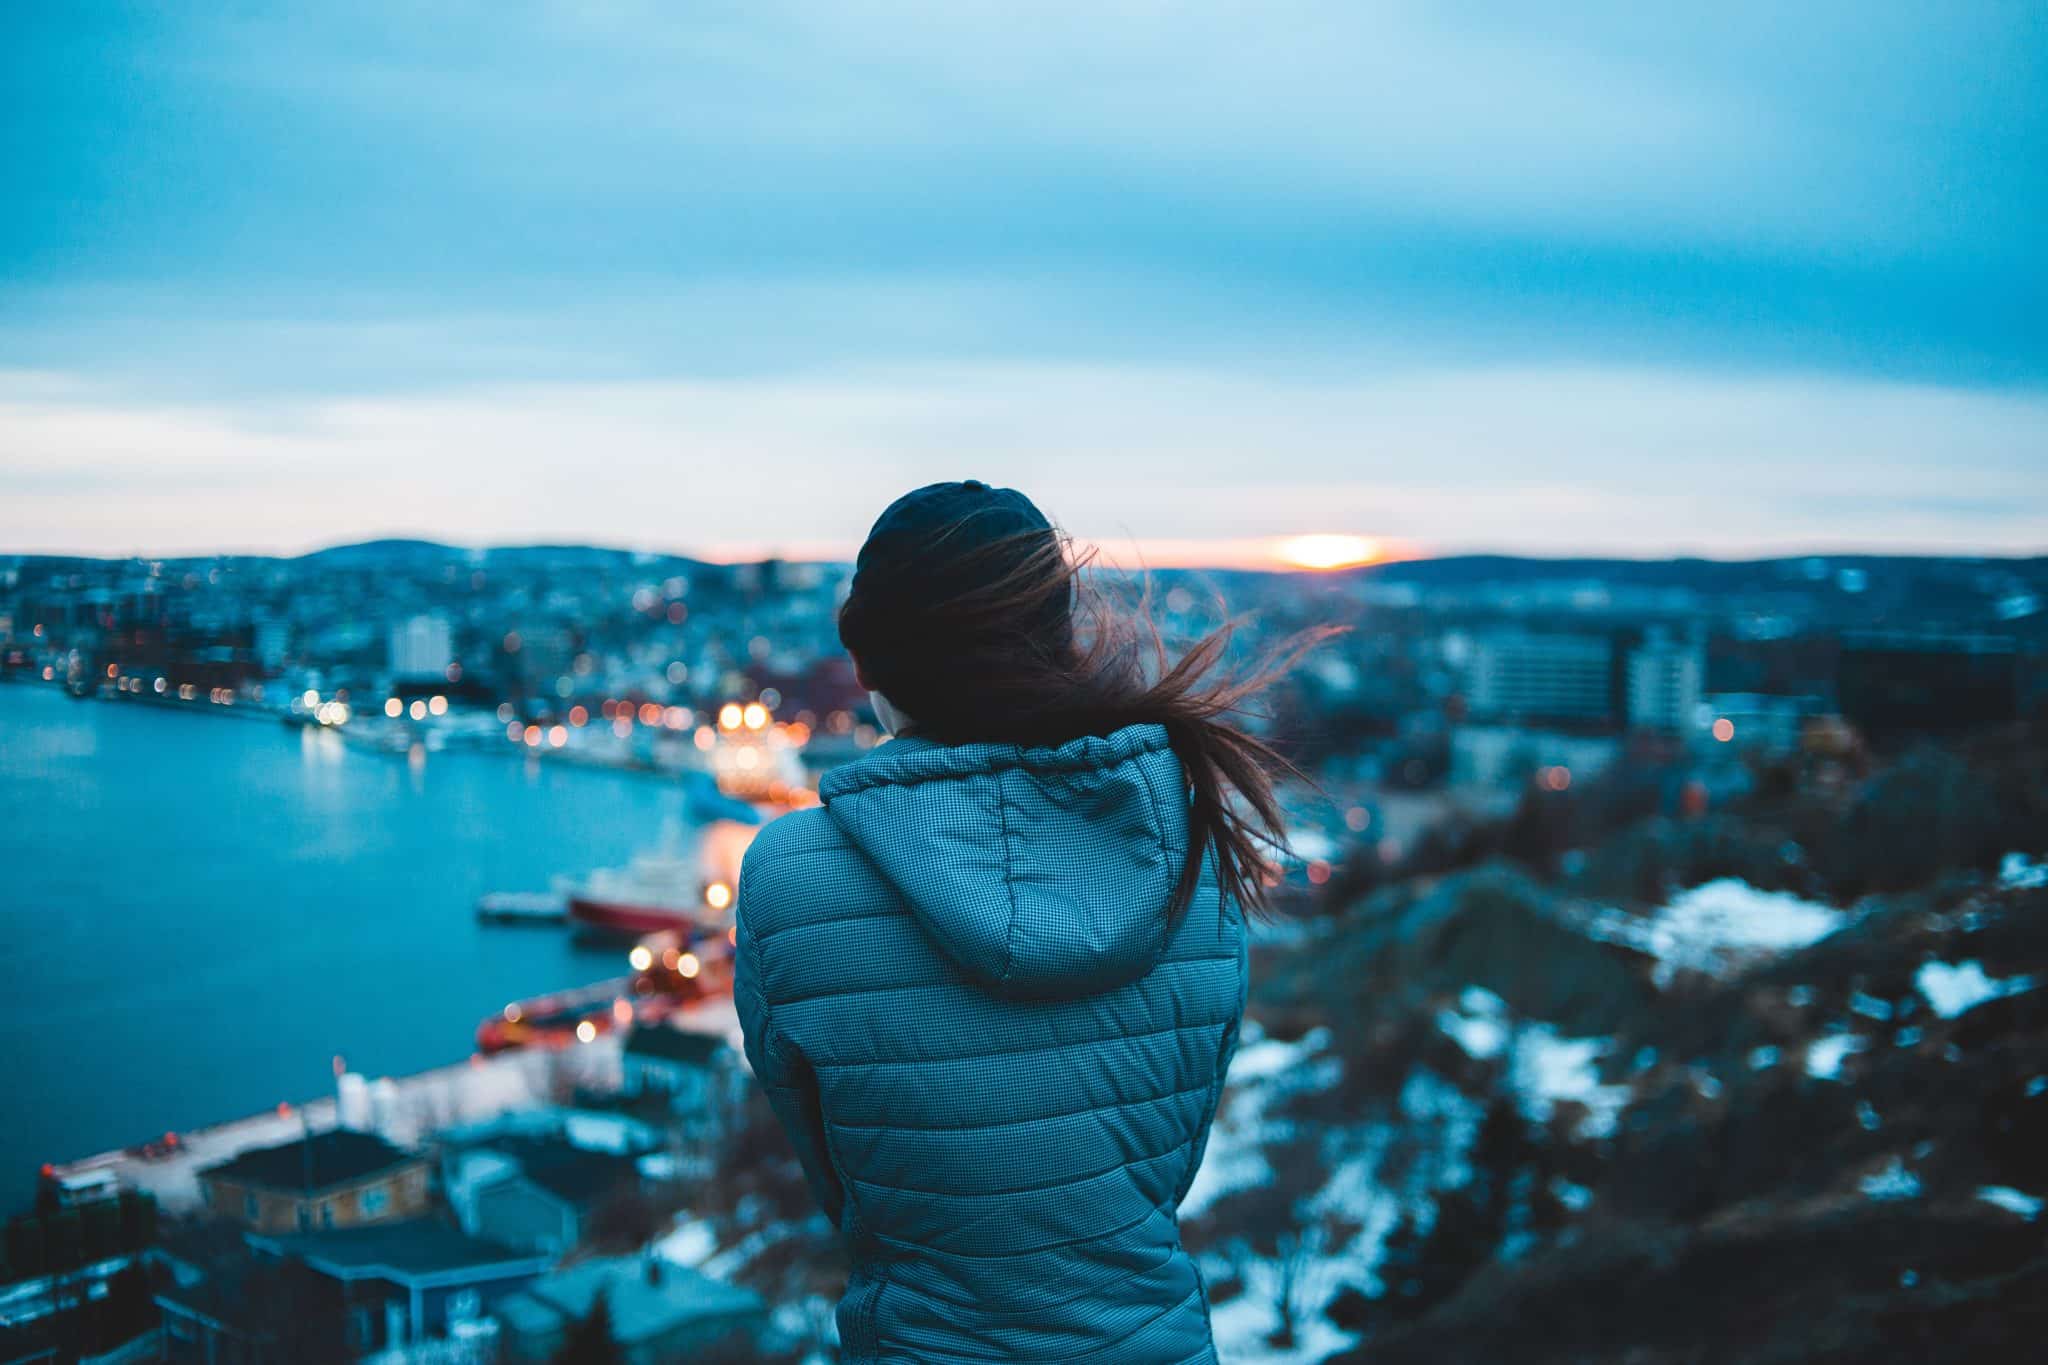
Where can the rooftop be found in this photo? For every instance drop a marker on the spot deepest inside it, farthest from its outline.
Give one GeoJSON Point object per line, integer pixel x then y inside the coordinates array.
{"type": "Point", "coordinates": [674, 1044]}
{"type": "Point", "coordinates": [570, 1173]}
{"type": "Point", "coordinates": [338, 1156]}
{"type": "Point", "coordinates": [417, 1249]}
{"type": "Point", "coordinates": [641, 1307]}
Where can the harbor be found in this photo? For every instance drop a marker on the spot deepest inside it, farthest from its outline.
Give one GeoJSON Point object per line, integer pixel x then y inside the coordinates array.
{"type": "Point", "coordinates": [328, 890]}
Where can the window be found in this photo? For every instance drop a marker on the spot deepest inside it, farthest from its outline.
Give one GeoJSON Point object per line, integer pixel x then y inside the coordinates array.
{"type": "Point", "coordinates": [326, 1215]}
{"type": "Point", "coordinates": [375, 1201]}
{"type": "Point", "coordinates": [252, 1207]}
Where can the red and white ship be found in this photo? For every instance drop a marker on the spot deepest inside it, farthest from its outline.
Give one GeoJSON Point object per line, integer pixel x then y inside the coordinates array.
{"type": "Point", "coordinates": [688, 889]}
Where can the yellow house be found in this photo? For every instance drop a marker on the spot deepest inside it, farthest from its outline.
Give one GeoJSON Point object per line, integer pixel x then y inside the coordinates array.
{"type": "Point", "coordinates": [336, 1179]}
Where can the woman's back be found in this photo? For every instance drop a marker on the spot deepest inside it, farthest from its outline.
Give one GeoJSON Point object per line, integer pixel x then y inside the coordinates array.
{"type": "Point", "coordinates": [998, 1053]}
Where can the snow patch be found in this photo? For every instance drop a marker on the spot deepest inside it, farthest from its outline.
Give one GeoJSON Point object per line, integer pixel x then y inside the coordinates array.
{"type": "Point", "coordinates": [1262, 1070]}
{"type": "Point", "coordinates": [1482, 1028]}
{"type": "Point", "coordinates": [1957, 988]}
{"type": "Point", "coordinates": [2016, 1201]}
{"type": "Point", "coordinates": [1713, 925]}
{"type": "Point", "coordinates": [1549, 1069]}
{"type": "Point", "coordinates": [1894, 1181]}
{"type": "Point", "coordinates": [1824, 1056]}
{"type": "Point", "coordinates": [691, 1244]}
{"type": "Point", "coordinates": [2018, 870]}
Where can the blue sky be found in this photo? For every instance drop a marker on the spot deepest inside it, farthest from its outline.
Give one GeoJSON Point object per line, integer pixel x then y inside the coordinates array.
{"type": "Point", "coordinates": [1639, 279]}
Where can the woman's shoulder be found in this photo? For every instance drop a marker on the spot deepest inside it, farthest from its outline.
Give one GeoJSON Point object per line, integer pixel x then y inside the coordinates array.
{"type": "Point", "coordinates": [793, 853]}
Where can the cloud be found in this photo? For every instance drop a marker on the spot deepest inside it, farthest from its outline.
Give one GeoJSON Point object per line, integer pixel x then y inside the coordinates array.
{"type": "Point", "coordinates": [1565, 460]}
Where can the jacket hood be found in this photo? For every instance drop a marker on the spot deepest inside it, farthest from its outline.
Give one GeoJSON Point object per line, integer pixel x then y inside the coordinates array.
{"type": "Point", "coordinates": [1043, 872]}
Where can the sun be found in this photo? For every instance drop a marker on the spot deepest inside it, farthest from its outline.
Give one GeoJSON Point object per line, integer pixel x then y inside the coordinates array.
{"type": "Point", "coordinates": [1327, 551]}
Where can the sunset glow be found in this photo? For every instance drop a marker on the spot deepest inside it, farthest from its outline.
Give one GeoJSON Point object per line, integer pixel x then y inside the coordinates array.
{"type": "Point", "coordinates": [1327, 551]}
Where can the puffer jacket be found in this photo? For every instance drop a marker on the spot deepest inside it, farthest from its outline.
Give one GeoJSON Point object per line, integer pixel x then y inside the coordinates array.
{"type": "Point", "coordinates": [997, 1059]}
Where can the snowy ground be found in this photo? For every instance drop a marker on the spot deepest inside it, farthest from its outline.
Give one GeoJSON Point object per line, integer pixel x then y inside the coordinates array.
{"type": "Point", "coordinates": [1544, 1067]}
{"type": "Point", "coordinates": [1714, 926]}
{"type": "Point", "coordinates": [1956, 988]}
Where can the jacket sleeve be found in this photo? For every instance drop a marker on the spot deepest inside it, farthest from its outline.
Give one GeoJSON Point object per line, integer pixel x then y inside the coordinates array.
{"type": "Point", "coordinates": [1226, 1048]}
{"type": "Point", "coordinates": [791, 1085]}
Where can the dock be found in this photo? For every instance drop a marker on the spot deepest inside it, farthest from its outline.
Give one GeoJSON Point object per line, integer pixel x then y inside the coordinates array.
{"type": "Point", "coordinates": [406, 1110]}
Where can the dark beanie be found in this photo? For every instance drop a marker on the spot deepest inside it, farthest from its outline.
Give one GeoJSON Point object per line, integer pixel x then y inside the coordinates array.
{"type": "Point", "coordinates": [933, 548]}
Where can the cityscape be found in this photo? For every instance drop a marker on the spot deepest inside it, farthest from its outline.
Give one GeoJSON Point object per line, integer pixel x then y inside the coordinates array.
{"type": "Point", "coordinates": [602, 606]}
{"type": "Point", "coordinates": [1588, 757]}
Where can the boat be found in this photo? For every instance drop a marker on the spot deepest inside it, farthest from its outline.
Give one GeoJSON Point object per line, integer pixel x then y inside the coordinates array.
{"type": "Point", "coordinates": [521, 907]}
{"type": "Point", "coordinates": [674, 887]}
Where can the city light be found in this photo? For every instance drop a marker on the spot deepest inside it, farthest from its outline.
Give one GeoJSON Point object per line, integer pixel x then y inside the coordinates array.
{"type": "Point", "coordinates": [438, 705]}
{"type": "Point", "coordinates": [393, 708]}
{"type": "Point", "coordinates": [687, 964]}
{"type": "Point", "coordinates": [718, 895]}
{"type": "Point", "coordinates": [586, 1032]}
{"type": "Point", "coordinates": [755, 716]}
{"type": "Point", "coordinates": [418, 710]}
{"type": "Point", "coordinates": [730, 715]}
{"type": "Point", "coordinates": [641, 957]}
{"type": "Point", "coordinates": [1724, 729]}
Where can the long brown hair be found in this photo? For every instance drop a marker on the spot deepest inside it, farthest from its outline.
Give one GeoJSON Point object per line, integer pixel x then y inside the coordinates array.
{"type": "Point", "coordinates": [1037, 651]}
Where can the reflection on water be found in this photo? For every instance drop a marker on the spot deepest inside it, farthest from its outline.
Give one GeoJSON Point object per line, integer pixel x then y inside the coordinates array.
{"type": "Point", "coordinates": [197, 913]}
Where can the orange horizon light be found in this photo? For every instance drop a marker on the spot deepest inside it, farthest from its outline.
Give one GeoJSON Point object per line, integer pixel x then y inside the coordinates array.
{"type": "Point", "coordinates": [1328, 551]}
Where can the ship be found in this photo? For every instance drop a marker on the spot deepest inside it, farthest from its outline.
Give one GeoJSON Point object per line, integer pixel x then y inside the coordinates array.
{"type": "Point", "coordinates": [671, 888]}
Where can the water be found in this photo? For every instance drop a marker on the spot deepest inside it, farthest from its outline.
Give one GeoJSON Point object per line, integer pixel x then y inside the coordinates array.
{"type": "Point", "coordinates": [197, 912]}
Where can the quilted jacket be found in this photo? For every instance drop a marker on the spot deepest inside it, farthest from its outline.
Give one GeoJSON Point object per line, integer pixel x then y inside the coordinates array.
{"type": "Point", "coordinates": [997, 1059]}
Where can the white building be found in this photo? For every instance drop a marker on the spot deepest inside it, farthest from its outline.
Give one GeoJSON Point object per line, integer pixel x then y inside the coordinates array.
{"type": "Point", "coordinates": [1665, 679]}
{"type": "Point", "coordinates": [421, 647]}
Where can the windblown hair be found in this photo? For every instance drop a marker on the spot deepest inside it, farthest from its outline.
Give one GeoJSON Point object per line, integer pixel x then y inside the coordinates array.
{"type": "Point", "coordinates": [1033, 650]}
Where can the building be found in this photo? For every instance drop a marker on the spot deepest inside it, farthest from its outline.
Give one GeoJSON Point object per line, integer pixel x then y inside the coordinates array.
{"type": "Point", "coordinates": [697, 1074]}
{"type": "Point", "coordinates": [409, 1288]}
{"type": "Point", "coordinates": [1509, 755]}
{"type": "Point", "coordinates": [1901, 682]}
{"type": "Point", "coordinates": [659, 1312]}
{"type": "Point", "coordinates": [1533, 677]}
{"type": "Point", "coordinates": [336, 1179]}
{"type": "Point", "coordinates": [1665, 678]}
{"type": "Point", "coordinates": [422, 647]}
{"type": "Point", "coordinates": [540, 1194]}
{"type": "Point", "coordinates": [1752, 720]}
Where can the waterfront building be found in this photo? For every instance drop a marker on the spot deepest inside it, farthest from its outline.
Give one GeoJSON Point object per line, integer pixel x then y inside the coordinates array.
{"type": "Point", "coordinates": [422, 647]}
{"type": "Point", "coordinates": [335, 1179]}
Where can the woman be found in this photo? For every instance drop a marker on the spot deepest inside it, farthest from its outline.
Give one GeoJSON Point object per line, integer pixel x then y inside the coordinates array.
{"type": "Point", "coordinates": [993, 984]}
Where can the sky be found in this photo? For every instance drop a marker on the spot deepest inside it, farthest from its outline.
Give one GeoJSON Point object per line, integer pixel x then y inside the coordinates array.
{"type": "Point", "coordinates": [1726, 279]}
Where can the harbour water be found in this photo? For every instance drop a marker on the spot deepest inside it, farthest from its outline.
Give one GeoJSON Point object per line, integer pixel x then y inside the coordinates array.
{"type": "Point", "coordinates": [197, 913]}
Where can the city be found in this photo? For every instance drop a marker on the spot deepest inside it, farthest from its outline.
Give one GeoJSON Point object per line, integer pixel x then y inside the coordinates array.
{"type": "Point", "coordinates": [1540, 742]}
